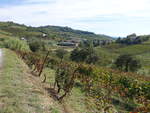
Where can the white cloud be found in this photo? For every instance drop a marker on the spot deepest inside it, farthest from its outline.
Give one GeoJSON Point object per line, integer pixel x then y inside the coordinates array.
{"type": "Point", "coordinates": [74, 12]}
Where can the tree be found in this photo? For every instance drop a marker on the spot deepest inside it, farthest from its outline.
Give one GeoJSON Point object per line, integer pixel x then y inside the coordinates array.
{"type": "Point", "coordinates": [60, 53]}
{"type": "Point", "coordinates": [86, 43]}
{"type": "Point", "coordinates": [87, 55]}
{"type": "Point", "coordinates": [92, 59]}
{"type": "Point", "coordinates": [127, 63]}
{"type": "Point", "coordinates": [37, 45]}
{"type": "Point", "coordinates": [76, 56]}
{"type": "Point", "coordinates": [118, 40]}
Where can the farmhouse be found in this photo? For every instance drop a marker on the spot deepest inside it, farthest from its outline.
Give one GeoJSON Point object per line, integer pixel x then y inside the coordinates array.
{"type": "Point", "coordinates": [67, 44]}
{"type": "Point", "coordinates": [23, 38]}
{"type": "Point", "coordinates": [74, 42]}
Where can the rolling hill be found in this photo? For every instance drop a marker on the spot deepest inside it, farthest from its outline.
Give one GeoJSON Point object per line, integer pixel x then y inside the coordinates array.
{"type": "Point", "coordinates": [52, 32]}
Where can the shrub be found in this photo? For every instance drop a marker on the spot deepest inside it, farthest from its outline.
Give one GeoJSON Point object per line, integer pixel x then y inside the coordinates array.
{"type": "Point", "coordinates": [37, 45]}
{"type": "Point", "coordinates": [60, 53]}
{"type": "Point", "coordinates": [127, 63]}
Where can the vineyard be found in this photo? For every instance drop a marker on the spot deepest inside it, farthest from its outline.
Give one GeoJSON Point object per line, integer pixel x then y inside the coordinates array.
{"type": "Point", "coordinates": [106, 88]}
{"type": "Point", "coordinates": [83, 79]}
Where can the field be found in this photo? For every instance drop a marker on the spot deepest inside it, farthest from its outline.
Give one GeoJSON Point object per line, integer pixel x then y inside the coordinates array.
{"type": "Point", "coordinates": [140, 51]}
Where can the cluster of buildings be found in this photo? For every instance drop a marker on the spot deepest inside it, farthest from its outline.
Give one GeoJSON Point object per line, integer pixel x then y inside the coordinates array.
{"type": "Point", "coordinates": [102, 42]}
{"type": "Point", "coordinates": [75, 42]}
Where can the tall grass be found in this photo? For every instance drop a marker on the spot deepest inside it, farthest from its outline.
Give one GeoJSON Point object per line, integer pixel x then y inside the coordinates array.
{"type": "Point", "coordinates": [16, 44]}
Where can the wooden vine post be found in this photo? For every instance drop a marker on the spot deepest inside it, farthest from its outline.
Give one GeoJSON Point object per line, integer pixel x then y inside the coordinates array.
{"type": "Point", "coordinates": [42, 67]}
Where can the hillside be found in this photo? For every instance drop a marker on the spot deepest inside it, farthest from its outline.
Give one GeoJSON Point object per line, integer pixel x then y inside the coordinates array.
{"type": "Point", "coordinates": [22, 92]}
{"type": "Point", "coordinates": [141, 51]}
{"type": "Point", "coordinates": [40, 97]}
{"type": "Point", "coordinates": [19, 91]}
{"type": "Point", "coordinates": [52, 32]}
{"type": "Point", "coordinates": [85, 78]}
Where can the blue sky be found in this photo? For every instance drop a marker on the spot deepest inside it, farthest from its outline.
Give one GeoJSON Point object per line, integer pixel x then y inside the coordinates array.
{"type": "Point", "coordinates": [110, 17]}
{"type": "Point", "coordinates": [8, 1]}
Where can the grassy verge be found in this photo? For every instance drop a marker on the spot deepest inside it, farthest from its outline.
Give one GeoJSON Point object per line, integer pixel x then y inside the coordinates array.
{"type": "Point", "coordinates": [20, 92]}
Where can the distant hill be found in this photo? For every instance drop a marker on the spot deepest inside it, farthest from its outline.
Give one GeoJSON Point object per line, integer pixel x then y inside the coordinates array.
{"type": "Point", "coordinates": [52, 32]}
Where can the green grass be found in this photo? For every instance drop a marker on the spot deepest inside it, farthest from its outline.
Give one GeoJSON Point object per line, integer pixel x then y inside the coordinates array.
{"type": "Point", "coordinates": [4, 33]}
{"type": "Point", "coordinates": [135, 49]}
{"type": "Point", "coordinates": [18, 92]}
{"type": "Point", "coordinates": [130, 49]}
{"type": "Point", "coordinates": [141, 51]}
{"type": "Point", "coordinates": [76, 102]}
{"type": "Point", "coordinates": [21, 92]}
{"type": "Point", "coordinates": [105, 57]}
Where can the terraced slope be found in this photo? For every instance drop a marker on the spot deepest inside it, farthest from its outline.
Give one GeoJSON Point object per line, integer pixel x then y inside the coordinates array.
{"type": "Point", "coordinates": [21, 92]}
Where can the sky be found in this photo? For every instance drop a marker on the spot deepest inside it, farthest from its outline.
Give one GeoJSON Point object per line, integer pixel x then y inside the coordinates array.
{"type": "Point", "coordinates": [110, 17]}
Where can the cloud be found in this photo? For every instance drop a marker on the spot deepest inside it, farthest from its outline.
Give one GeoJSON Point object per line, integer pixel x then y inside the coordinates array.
{"type": "Point", "coordinates": [101, 16]}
